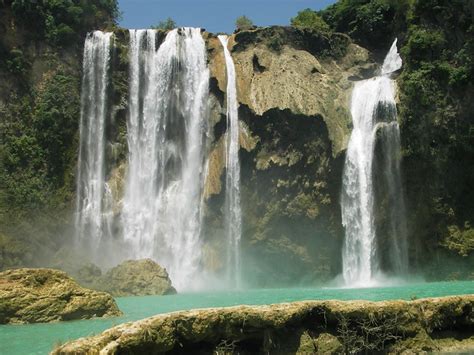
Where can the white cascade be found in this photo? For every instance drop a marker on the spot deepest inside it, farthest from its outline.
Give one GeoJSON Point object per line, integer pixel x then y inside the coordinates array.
{"type": "Point", "coordinates": [167, 140]}
{"type": "Point", "coordinates": [373, 110]}
{"type": "Point", "coordinates": [233, 213]}
{"type": "Point", "coordinates": [92, 210]}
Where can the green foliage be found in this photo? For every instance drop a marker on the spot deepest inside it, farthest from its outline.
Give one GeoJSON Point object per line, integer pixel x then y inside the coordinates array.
{"type": "Point", "coordinates": [243, 23]}
{"type": "Point", "coordinates": [60, 21]}
{"type": "Point", "coordinates": [55, 121]}
{"type": "Point", "coordinates": [36, 146]}
{"type": "Point", "coordinates": [16, 63]}
{"type": "Point", "coordinates": [167, 24]}
{"type": "Point", "coordinates": [370, 22]}
{"type": "Point", "coordinates": [424, 44]}
{"type": "Point", "coordinates": [460, 240]}
{"type": "Point", "coordinates": [310, 19]}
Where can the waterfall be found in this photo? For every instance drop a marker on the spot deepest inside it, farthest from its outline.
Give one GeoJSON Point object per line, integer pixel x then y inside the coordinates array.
{"type": "Point", "coordinates": [374, 118]}
{"type": "Point", "coordinates": [233, 214]}
{"type": "Point", "coordinates": [91, 211]}
{"type": "Point", "coordinates": [167, 136]}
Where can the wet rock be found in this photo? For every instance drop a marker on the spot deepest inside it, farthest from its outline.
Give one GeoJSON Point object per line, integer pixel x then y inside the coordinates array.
{"type": "Point", "coordinates": [46, 295]}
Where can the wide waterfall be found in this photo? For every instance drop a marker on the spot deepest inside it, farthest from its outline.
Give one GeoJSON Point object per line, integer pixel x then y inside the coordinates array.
{"type": "Point", "coordinates": [374, 118]}
{"type": "Point", "coordinates": [233, 212]}
{"type": "Point", "coordinates": [167, 136]}
{"type": "Point", "coordinates": [92, 210]}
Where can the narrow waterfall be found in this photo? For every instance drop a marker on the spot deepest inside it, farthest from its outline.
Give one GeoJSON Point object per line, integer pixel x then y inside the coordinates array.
{"type": "Point", "coordinates": [233, 212]}
{"type": "Point", "coordinates": [167, 136]}
{"type": "Point", "coordinates": [374, 118]}
{"type": "Point", "coordinates": [91, 211]}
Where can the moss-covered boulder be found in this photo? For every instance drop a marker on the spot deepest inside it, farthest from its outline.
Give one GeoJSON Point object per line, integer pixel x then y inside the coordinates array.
{"type": "Point", "coordinates": [137, 278]}
{"type": "Point", "coordinates": [46, 295]}
{"type": "Point", "coordinates": [322, 327]}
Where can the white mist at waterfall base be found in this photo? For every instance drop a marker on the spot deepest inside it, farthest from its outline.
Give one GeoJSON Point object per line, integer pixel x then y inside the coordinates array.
{"type": "Point", "coordinates": [92, 210]}
{"type": "Point", "coordinates": [233, 214]}
{"type": "Point", "coordinates": [373, 111]}
{"type": "Point", "coordinates": [167, 130]}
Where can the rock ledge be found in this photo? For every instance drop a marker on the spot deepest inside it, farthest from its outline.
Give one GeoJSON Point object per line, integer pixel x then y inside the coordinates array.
{"type": "Point", "coordinates": [329, 327]}
{"type": "Point", "coordinates": [47, 295]}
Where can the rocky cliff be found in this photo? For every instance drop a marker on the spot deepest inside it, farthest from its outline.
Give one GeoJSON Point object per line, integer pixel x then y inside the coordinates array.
{"type": "Point", "coordinates": [294, 91]}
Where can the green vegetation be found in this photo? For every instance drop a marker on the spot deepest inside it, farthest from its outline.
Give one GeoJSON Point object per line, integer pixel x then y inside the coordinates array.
{"type": "Point", "coordinates": [372, 23]}
{"type": "Point", "coordinates": [36, 150]}
{"type": "Point", "coordinates": [310, 19]}
{"type": "Point", "coordinates": [60, 22]}
{"type": "Point", "coordinates": [167, 24]}
{"type": "Point", "coordinates": [460, 240]}
{"type": "Point", "coordinates": [243, 23]}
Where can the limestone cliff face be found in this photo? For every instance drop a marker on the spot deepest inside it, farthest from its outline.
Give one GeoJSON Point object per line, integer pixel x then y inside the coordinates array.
{"type": "Point", "coordinates": [294, 89]}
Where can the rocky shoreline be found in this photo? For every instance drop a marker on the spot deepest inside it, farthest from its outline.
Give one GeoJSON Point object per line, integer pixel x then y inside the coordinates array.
{"type": "Point", "coordinates": [331, 327]}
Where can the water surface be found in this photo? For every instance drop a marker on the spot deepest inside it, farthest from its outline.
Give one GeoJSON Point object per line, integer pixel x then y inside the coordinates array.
{"type": "Point", "coordinates": [40, 338]}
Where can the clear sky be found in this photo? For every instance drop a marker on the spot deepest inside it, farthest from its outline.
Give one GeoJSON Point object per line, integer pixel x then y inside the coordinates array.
{"type": "Point", "coordinates": [213, 15]}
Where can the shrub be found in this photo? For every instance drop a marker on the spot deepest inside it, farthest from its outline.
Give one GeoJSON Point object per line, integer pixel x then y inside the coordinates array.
{"type": "Point", "coordinates": [310, 19]}
{"type": "Point", "coordinates": [167, 24]}
{"type": "Point", "coordinates": [243, 23]}
{"type": "Point", "coordinates": [460, 240]}
{"type": "Point", "coordinates": [59, 21]}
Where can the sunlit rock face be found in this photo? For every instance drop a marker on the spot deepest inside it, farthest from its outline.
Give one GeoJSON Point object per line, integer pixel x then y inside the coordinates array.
{"type": "Point", "coordinates": [47, 295]}
{"type": "Point", "coordinates": [294, 91]}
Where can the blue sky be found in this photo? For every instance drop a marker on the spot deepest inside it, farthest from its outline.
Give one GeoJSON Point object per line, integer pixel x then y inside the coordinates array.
{"type": "Point", "coordinates": [213, 15]}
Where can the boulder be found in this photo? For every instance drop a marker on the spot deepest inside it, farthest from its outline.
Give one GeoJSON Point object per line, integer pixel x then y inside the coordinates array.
{"type": "Point", "coordinates": [47, 295]}
{"type": "Point", "coordinates": [137, 278]}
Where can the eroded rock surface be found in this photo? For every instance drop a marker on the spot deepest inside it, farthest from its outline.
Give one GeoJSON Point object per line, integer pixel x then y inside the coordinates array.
{"type": "Point", "coordinates": [324, 327]}
{"type": "Point", "coordinates": [137, 278]}
{"type": "Point", "coordinates": [46, 295]}
{"type": "Point", "coordinates": [293, 88]}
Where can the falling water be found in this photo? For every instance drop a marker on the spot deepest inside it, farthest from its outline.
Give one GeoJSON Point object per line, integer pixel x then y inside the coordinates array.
{"type": "Point", "coordinates": [233, 211]}
{"type": "Point", "coordinates": [374, 117]}
{"type": "Point", "coordinates": [167, 130]}
{"type": "Point", "coordinates": [91, 187]}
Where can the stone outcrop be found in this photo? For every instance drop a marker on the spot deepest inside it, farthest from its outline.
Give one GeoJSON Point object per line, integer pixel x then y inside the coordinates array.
{"type": "Point", "coordinates": [136, 278]}
{"type": "Point", "coordinates": [293, 87]}
{"type": "Point", "coordinates": [306, 72]}
{"type": "Point", "coordinates": [46, 295]}
{"type": "Point", "coordinates": [309, 327]}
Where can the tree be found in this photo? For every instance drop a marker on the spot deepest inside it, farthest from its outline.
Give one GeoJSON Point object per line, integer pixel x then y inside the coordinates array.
{"type": "Point", "coordinates": [243, 23]}
{"type": "Point", "coordinates": [309, 19]}
{"type": "Point", "coordinates": [167, 24]}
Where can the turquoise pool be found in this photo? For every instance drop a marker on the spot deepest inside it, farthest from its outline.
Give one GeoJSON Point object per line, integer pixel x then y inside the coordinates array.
{"type": "Point", "coordinates": [41, 338]}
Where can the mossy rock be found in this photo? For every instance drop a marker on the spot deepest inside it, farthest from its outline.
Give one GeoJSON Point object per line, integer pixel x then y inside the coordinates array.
{"type": "Point", "coordinates": [137, 278]}
{"type": "Point", "coordinates": [47, 295]}
{"type": "Point", "coordinates": [295, 328]}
